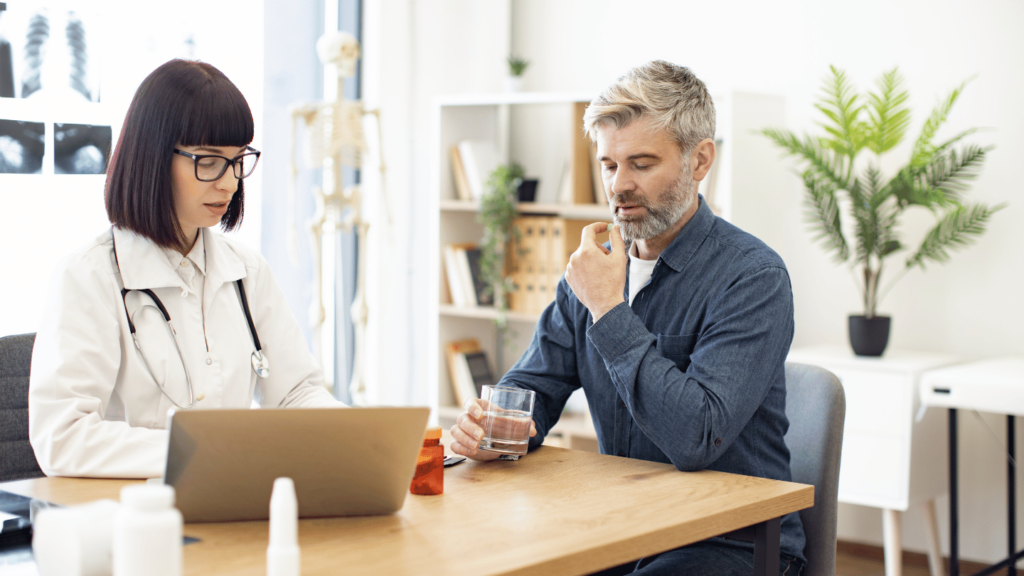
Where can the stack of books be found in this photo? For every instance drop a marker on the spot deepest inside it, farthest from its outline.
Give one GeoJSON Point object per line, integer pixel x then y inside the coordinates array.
{"type": "Point", "coordinates": [462, 270]}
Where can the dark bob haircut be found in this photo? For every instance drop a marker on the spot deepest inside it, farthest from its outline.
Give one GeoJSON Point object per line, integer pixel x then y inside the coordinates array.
{"type": "Point", "coordinates": [181, 102]}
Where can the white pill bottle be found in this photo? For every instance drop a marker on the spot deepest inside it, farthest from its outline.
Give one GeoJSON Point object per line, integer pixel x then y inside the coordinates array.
{"type": "Point", "coordinates": [147, 532]}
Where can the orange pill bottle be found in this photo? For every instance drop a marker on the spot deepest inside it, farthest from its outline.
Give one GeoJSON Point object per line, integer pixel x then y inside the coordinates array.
{"type": "Point", "coordinates": [429, 477]}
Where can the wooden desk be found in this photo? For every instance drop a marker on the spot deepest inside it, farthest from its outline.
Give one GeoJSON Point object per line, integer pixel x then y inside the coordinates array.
{"type": "Point", "coordinates": [555, 511]}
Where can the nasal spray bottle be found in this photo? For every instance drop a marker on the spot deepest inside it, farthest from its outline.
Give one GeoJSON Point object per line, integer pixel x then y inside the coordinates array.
{"type": "Point", "coordinates": [283, 551]}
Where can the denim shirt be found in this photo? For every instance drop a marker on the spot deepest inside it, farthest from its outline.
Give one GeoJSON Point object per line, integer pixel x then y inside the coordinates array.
{"type": "Point", "coordinates": [693, 373]}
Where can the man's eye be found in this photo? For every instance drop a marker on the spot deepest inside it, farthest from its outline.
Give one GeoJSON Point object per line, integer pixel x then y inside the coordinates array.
{"type": "Point", "coordinates": [609, 168]}
{"type": "Point", "coordinates": [641, 166]}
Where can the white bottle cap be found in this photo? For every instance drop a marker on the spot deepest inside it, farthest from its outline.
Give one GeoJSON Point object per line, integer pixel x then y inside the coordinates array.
{"type": "Point", "coordinates": [283, 550]}
{"type": "Point", "coordinates": [148, 496]}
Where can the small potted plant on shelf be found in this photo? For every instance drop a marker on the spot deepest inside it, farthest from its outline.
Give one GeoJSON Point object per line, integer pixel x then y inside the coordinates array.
{"type": "Point", "coordinates": [516, 67]}
{"type": "Point", "coordinates": [497, 211]}
{"type": "Point", "coordinates": [935, 178]}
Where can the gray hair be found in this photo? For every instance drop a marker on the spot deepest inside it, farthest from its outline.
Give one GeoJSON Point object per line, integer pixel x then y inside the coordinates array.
{"type": "Point", "coordinates": [668, 95]}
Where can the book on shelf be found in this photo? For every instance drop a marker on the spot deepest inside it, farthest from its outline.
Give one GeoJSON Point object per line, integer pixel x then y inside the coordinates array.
{"type": "Point", "coordinates": [479, 370]}
{"type": "Point", "coordinates": [462, 271]}
{"type": "Point", "coordinates": [459, 175]}
{"type": "Point", "coordinates": [468, 369]}
{"type": "Point", "coordinates": [479, 159]}
{"type": "Point", "coordinates": [456, 288]}
{"type": "Point", "coordinates": [484, 296]}
{"type": "Point", "coordinates": [600, 196]}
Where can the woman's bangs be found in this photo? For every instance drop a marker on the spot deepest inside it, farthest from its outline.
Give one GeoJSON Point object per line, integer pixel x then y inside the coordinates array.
{"type": "Point", "coordinates": [219, 116]}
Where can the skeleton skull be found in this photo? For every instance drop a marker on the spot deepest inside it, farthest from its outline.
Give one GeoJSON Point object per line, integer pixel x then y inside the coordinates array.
{"type": "Point", "coordinates": [340, 49]}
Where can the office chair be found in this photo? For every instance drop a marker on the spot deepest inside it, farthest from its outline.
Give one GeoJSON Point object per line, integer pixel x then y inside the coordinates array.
{"type": "Point", "coordinates": [816, 408]}
{"type": "Point", "coordinates": [17, 460]}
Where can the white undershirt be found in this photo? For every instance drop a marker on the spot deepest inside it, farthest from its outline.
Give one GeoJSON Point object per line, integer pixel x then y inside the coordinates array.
{"type": "Point", "coordinates": [639, 273]}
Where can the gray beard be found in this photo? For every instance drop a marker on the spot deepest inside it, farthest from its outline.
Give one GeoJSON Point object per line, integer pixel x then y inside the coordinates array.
{"type": "Point", "coordinates": [677, 201]}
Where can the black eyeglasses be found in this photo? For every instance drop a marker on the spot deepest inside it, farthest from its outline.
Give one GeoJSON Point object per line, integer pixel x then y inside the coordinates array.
{"type": "Point", "coordinates": [210, 167]}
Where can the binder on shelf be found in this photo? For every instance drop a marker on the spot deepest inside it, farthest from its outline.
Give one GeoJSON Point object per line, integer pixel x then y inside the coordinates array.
{"type": "Point", "coordinates": [479, 160]}
{"type": "Point", "coordinates": [600, 194]}
{"type": "Point", "coordinates": [582, 185]}
{"type": "Point", "coordinates": [538, 262]}
{"type": "Point", "coordinates": [459, 175]}
{"type": "Point", "coordinates": [459, 370]}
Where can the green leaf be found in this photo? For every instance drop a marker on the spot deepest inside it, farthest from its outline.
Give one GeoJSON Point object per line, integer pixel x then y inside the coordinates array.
{"type": "Point", "coordinates": [951, 173]}
{"type": "Point", "coordinates": [959, 228]}
{"type": "Point", "coordinates": [821, 159]}
{"type": "Point", "coordinates": [822, 213]}
{"type": "Point", "coordinates": [924, 150]}
{"type": "Point", "coordinates": [841, 105]}
{"type": "Point", "coordinates": [888, 114]}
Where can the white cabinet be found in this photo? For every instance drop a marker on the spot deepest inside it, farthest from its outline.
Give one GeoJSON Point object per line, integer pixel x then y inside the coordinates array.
{"type": "Point", "coordinates": [891, 460]}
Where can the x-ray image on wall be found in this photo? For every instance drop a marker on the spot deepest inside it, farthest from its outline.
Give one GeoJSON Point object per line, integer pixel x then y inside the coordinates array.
{"type": "Point", "coordinates": [46, 52]}
{"type": "Point", "coordinates": [21, 147]}
{"type": "Point", "coordinates": [80, 148]}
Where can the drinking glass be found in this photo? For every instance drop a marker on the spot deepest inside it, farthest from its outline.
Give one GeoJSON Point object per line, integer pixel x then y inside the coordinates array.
{"type": "Point", "coordinates": [506, 420]}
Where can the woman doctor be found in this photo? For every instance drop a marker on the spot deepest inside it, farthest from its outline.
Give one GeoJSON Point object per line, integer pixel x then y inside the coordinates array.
{"type": "Point", "coordinates": [159, 312]}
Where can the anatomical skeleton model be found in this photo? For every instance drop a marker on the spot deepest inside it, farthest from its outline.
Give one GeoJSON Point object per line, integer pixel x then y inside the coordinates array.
{"type": "Point", "coordinates": [335, 138]}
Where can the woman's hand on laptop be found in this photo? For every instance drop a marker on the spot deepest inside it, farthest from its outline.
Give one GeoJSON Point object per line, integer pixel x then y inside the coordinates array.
{"type": "Point", "coordinates": [467, 432]}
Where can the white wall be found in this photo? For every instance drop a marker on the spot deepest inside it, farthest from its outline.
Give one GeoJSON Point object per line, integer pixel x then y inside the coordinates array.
{"type": "Point", "coordinates": [969, 307]}
{"type": "Point", "coordinates": [415, 51]}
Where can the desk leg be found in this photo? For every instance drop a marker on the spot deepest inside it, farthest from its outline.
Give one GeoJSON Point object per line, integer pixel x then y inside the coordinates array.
{"type": "Point", "coordinates": [931, 525]}
{"type": "Point", "coordinates": [766, 547]}
{"type": "Point", "coordinates": [1011, 495]}
{"type": "Point", "coordinates": [893, 542]}
{"type": "Point", "coordinates": [954, 554]}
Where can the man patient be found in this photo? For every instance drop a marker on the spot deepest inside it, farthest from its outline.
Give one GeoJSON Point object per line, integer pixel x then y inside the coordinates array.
{"type": "Point", "coordinates": [678, 329]}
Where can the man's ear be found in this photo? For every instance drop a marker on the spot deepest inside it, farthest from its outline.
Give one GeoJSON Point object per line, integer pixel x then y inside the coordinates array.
{"type": "Point", "coordinates": [701, 157]}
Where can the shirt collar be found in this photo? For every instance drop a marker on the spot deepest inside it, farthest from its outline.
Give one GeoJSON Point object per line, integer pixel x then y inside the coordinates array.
{"type": "Point", "coordinates": [197, 256]}
{"type": "Point", "coordinates": [689, 239]}
{"type": "Point", "coordinates": [143, 264]}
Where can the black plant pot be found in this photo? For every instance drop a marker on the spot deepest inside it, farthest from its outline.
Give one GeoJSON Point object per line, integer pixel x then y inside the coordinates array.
{"type": "Point", "coordinates": [527, 191]}
{"type": "Point", "coordinates": [869, 336]}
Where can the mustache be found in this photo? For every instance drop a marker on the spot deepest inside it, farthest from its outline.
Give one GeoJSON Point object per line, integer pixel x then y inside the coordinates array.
{"type": "Point", "coordinates": [629, 199]}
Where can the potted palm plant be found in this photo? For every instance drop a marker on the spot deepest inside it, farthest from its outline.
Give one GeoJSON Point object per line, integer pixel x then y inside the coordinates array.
{"type": "Point", "coordinates": [836, 176]}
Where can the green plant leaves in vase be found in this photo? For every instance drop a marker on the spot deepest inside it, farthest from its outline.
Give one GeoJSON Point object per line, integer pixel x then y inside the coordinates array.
{"type": "Point", "coordinates": [935, 178]}
{"type": "Point", "coordinates": [497, 211]}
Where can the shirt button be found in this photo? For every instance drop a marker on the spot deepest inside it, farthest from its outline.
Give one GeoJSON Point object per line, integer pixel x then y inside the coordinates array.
{"type": "Point", "coordinates": [184, 263]}
{"type": "Point", "coordinates": [210, 361]}
{"type": "Point", "coordinates": [718, 441]}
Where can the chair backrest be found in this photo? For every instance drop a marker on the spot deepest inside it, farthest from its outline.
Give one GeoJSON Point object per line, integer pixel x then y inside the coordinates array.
{"type": "Point", "coordinates": [17, 460]}
{"type": "Point", "coordinates": [816, 408]}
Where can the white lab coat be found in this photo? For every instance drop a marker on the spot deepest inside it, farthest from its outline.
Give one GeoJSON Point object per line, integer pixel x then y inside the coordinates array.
{"type": "Point", "coordinates": [94, 409]}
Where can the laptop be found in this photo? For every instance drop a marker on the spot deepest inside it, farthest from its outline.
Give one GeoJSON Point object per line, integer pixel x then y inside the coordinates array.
{"type": "Point", "coordinates": [344, 461]}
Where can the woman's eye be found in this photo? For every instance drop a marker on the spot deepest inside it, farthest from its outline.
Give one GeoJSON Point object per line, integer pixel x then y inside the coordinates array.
{"type": "Point", "coordinates": [207, 162]}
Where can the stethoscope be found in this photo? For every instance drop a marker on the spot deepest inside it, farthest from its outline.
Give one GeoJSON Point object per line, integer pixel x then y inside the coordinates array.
{"type": "Point", "coordinates": [260, 365]}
